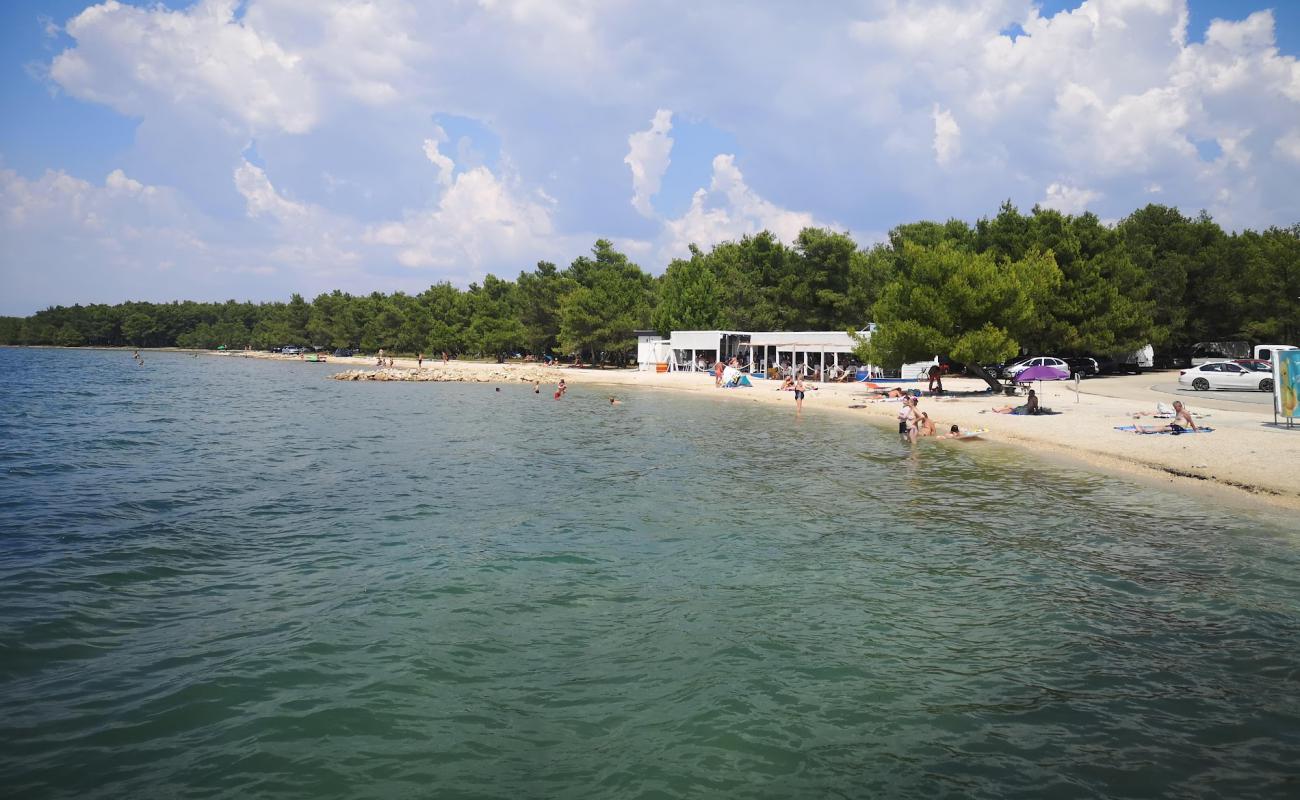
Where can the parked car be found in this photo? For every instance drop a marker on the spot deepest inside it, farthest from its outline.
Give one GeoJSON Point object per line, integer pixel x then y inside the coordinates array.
{"type": "Point", "coordinates": [1083, 365]}
{"type": "Point", "coordinates": [1036, 361]}
{"type": "Point", "coordinates": [342, 352]}
{"type": "Point", "coordinates": [1255, 364]}
{"type": "Point", "coordinates": [1224, 375]}
{"type": "Point", "coordinates": [291, 350]}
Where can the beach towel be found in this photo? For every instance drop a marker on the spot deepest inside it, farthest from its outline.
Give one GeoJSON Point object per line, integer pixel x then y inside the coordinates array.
{"type": "Point", "coordinates": [1133, 429]}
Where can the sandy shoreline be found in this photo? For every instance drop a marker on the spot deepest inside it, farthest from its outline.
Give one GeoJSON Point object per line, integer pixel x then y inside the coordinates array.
{"type": "Point", "coordinates": [1245, 460]}
{"type": "Point", "coordinates": [1245, 456]}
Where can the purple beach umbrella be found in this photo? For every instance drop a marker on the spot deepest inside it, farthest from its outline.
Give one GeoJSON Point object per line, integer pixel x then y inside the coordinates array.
{"type": "Point", "coordinates": [1042, 373]}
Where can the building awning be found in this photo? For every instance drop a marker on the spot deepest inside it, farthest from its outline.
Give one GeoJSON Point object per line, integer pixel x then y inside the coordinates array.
{"type": "Point", "coordinates": [696, 340]}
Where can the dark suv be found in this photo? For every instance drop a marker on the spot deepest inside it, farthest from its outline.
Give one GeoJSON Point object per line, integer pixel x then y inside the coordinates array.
{"type": "Point", "coordinates": [1083, 365]}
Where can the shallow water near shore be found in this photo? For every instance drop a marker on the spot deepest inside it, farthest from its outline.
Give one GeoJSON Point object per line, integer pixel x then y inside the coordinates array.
{"type": "Point", "coordinates": [224, 577]}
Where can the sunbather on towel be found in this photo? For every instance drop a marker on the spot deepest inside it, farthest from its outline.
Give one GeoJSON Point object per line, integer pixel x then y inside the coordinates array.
{"type": "Point", "coordinates": [1030, 406]}
{"type": "Point", "coordinates": [886, 393]}
{"type": "Point", "coordinates": [1182, 422]}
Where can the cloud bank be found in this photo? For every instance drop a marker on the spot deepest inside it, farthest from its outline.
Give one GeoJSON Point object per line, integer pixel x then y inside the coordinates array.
{"type": "Point", "coordinates": [390, 144]}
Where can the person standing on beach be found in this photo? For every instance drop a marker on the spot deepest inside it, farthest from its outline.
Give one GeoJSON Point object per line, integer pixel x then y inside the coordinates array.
{"type": "Point", "coordinates": [798, 394]}
{"type": "Point", "coordinates": [936, 379]}
{"type": "Point", "coordinates": [419, 360]}
{"type": "Point", "coordinates": [717, 374]}
{"type": "Point", "coordinates": [444, 357]}
{"type": "Point", "coordinates": [908, 419]}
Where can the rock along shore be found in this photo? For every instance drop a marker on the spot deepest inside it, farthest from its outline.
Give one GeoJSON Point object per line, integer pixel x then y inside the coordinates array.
{"type": "Point", "coordinates": [438, 374]}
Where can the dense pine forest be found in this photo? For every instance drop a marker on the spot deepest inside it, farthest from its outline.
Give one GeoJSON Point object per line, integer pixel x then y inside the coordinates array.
{"type": "Point", "coordinates": [1042, 281]}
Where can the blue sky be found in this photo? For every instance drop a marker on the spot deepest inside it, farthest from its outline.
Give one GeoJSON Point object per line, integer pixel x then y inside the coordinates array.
{"type": "Point", "coordinates": [253, 148]}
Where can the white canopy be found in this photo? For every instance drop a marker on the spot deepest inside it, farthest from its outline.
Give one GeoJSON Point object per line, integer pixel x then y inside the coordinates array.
{"type": "Point", "coordinates": [696, 340]}
{"type": "Point", "coordinates": [805, 341]}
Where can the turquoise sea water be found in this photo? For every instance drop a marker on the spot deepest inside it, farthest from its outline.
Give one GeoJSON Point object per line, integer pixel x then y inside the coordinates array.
{"type": "Point", "coordinates": [223, 577]}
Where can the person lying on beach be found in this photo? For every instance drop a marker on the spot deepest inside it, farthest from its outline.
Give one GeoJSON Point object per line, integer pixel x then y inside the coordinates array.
{"type": "Point", "coordinates": [1030, 406]}
{"type": "Point", "coordinates": [1182, 422]}
{"type": "Point", "coordinates": [788, 383]}
{"type": "Point", "coordinates": [956, 433]}
{"type": "Point", "coordinates": [887, 393]}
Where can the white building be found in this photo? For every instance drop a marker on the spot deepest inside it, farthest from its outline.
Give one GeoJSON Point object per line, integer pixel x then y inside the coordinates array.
{"type": "Point", "coordinates": [811, 352]}
{"type": "Point", "coordinates": [652, 350]}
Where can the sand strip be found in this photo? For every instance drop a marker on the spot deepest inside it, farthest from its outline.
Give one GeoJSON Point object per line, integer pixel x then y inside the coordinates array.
{"type": "Point", "coordinates": [1245, 453]}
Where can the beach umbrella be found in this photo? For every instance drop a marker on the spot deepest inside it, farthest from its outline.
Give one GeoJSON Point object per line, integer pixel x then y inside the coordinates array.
{"type": "Point", "coordinates": [1042, 373]}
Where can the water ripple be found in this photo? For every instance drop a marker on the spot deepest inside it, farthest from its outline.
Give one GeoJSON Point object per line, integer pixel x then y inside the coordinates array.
{"type": "Point", "coordinates": [223, 578]}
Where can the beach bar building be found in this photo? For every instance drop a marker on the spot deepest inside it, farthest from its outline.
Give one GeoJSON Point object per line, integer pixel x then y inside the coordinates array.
{"type": "Point", "coordinates": [810, 352]}
{"type": "Point", "coordinates": [698, 351]}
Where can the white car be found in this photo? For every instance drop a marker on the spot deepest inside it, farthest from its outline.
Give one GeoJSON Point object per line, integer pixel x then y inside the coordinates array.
{"type": "Point", "coordinates": [1225, 375]}
{"type": "Point", "coordinates": [1037, 361]}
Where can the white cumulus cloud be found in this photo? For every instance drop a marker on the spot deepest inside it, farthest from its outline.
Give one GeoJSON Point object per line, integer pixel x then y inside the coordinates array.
{"type": "Point", "coordinates": [479, 222]}
{"type": "Point", "coordinates": [728, 210]}
{"type": "Point", "coordinates": [444, 163]}
{"type": "Point", "coordinates": [947, 136]}
{"type": "Point", "coordinates": [648, 155]}
{"type": "Point", "coordinates": [872, 114]}
{"type": "Point", "coordinates": [260, 196]}
{"type": "Point", "coordinates": [1069, 199]}
{"type": "Point", "coordinates": [137, 60]}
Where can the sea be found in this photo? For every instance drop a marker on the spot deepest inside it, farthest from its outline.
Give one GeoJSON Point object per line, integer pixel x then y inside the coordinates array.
{"type": "Point", "coordinates": [229, 578]}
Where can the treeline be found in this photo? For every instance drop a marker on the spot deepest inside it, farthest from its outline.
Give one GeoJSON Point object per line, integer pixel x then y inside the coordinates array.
{"type": "Point", "coordinates": [1042, 281]}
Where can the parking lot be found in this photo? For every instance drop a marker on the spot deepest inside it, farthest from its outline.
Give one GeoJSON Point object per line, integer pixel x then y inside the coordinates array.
{"type": "Point", "coordinates": [1165, 383]}
{"type": "Point", "coordinates": [1231, 395]}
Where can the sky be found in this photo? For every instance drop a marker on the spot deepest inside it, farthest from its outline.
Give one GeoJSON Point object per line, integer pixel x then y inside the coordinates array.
{"type": "Point", "coordinates": [249, 149]}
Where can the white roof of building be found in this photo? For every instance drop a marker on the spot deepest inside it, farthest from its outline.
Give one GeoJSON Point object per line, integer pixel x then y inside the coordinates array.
{"type": "Point", "coordinates": [831, 341]}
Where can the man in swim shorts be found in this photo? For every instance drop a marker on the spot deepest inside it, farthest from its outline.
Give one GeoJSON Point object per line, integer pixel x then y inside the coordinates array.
{"type": "Point", "coordinates": [798, 394]}
{"type": "Point", "coordinates": [1182, 423]}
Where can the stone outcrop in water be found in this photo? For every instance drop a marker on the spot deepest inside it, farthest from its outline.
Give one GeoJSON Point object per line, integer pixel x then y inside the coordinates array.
{"type": "Point", "coordinates": [446, 375]}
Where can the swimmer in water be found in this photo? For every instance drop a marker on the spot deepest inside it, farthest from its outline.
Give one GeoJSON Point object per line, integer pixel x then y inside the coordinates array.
{"type": "Point", "coordinates": [613, 401]}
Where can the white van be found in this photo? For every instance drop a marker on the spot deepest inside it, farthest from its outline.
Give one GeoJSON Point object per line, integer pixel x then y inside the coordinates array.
{"type": "Point", "coordinates": [1265, 351]}
{"type": "Point", "coordinates": [1136, 361]}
